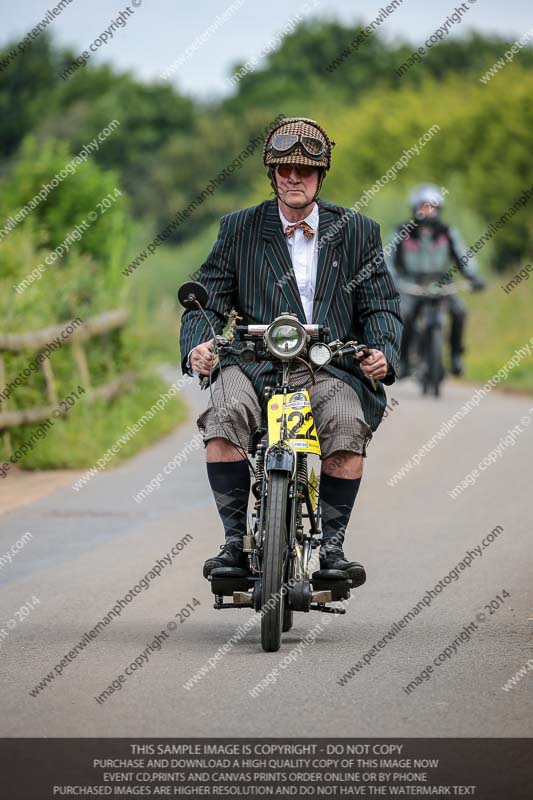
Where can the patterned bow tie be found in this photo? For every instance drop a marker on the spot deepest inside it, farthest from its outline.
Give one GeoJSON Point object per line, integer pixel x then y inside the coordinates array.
{"type": "Point", "coordinates": [308, 231]}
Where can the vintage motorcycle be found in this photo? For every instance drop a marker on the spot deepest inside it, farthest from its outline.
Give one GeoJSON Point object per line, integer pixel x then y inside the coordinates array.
{"type": "Point", "coordinates": [278, 544]}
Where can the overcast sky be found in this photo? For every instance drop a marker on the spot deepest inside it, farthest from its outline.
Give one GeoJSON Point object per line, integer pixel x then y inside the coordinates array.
{"type": "Point", "coordinates": [160, 31]}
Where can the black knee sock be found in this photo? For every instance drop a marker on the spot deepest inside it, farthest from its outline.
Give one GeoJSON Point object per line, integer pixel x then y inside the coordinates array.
{"type": "Point", "coordinates": [230, 483]}
{"type": "Point", "coordinates": [337, 497]}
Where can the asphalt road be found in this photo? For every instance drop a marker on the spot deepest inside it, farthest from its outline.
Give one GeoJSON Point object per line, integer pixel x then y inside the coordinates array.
{"type": "Point", "coordinates": [89, 548]}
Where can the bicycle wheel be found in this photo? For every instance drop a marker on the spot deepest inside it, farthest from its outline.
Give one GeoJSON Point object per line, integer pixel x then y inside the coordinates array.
{"type": "Point", "coordinates": [272, 599]}
{"type": "Point", "coordinates": [435, 365]}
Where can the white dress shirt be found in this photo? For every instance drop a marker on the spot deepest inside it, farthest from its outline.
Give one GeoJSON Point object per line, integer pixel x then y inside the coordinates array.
{"type": "Point", "coordinates": [304, 257]}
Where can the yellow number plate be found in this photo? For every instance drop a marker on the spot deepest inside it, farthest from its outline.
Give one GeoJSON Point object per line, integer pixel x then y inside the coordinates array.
{"type": "Point", "coordinates": [301, 431]}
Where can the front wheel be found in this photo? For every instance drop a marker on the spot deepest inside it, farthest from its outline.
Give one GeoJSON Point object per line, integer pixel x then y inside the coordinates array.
{"type": "Point", "coordinates": [288, 618]}
{"type": "Point", "coordinates": [274, 551]}
{"type": "Point", "coordinates": [435, 365]}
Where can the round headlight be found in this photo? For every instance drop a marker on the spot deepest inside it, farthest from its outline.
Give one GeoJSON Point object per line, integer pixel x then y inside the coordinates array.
{"type": "Point", "coordinates": [285, 337]}
{"type": "Point", "coordinates": [319, 354]}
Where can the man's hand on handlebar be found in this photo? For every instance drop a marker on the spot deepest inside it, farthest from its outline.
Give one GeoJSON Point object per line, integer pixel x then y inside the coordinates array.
{"type": "Point", "coordinates": [373, 364]}
{"type": "Point", "coordinates": [203, 358]}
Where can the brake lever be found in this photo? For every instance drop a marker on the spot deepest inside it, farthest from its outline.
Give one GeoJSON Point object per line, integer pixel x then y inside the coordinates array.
{"type": "Point", "coordinates": [364, 351]}
{"type": "Point", "coordinates": [356, 349]}
{"type": "Point", "coordinates": [224, 345]}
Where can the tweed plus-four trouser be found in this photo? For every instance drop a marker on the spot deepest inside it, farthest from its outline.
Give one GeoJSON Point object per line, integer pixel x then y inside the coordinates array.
{"type": "Point", "coordinates": [234, 411]}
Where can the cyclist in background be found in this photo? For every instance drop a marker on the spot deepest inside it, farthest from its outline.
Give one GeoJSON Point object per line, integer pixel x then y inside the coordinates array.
{"type": "Point", "coordinates": [424, 256]}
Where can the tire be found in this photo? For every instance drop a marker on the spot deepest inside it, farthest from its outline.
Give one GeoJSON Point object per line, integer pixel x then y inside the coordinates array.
{"type": "Point", "coordinates": [288, 616]}
{"type": "Point", "coordinates": [272, 599]}
{"type": "Point", "coordinates": [435, 365]}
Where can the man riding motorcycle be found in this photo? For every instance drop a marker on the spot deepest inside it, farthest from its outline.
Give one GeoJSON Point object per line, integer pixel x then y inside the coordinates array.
{"type": "Point", "coordinates": [299, 254]}
{"type": "Point", "coordinates": [423, 256]}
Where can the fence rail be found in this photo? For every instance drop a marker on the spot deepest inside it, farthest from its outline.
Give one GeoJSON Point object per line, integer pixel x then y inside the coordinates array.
{"type": "Point", "coordinates": [36, 342]}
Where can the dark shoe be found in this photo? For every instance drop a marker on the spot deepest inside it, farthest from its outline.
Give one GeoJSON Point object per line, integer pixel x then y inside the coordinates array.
{"type": "Point", "coordinates": [457, 365]}
{"type": "Point", "coordinates": [334, 558]}
{"type": "Point", "coordinates": [231, 555]}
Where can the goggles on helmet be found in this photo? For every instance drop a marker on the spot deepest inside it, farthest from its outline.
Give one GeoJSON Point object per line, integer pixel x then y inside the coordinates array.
{"type": "Point", "coordinates": [284, 143]}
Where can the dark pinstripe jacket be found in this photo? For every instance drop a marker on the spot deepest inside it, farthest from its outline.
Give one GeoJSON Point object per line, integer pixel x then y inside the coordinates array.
{"type": "Point", "coordinates": [249, 268]}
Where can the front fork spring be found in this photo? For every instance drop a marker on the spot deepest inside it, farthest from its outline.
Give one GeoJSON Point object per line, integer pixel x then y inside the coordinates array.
{"type": "Point", "coordinates": [301, 484]}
